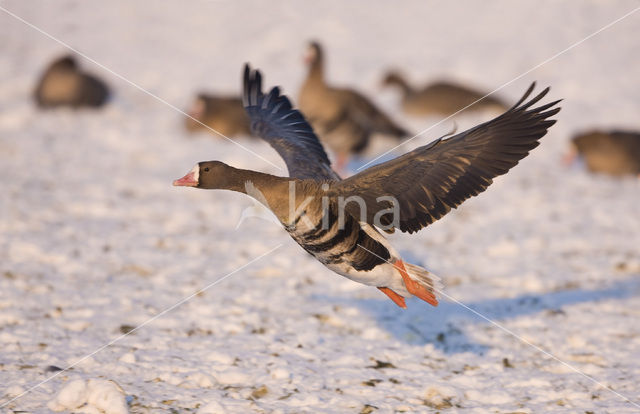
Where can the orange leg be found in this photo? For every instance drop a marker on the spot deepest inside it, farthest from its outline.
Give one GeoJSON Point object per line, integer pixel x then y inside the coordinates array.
{"type": "Point", "coordinates": [397, 299]}
{"type": "Point", "coordinates": [414, 287]}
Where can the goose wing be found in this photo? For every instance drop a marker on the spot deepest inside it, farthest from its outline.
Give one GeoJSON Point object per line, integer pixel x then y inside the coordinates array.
{"type": "Point", "coordinates": [426, 183]}
{"type": "Point", "coordinates": [285, 129]}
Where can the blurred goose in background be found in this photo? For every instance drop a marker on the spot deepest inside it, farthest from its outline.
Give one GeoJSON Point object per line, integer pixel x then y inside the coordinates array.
{"type": "Point", "coordinates": [420, 186]}
{"type": "Point", "coordinates": [440, 98]}
{"type": "Point", "coordinates": [615, 152]}
{"type": "Point", "coordinates": [224, 114]}
{"type": "Point", "coordinates": [343, 118]}
{"type": "Point", "coordinates": [64, 84]}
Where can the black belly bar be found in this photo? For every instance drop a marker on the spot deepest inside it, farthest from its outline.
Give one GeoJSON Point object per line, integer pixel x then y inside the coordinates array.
{"type": "Point", "coordinates": [350, 245]}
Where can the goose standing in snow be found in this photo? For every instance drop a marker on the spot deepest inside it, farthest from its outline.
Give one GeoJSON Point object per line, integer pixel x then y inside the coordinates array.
{"type": "Point", "coordinates": [336, 220]}
{"type": "Point", "coordinates": [615, 152]}
{"type": "Point", "coordinates": [64, 84]}
{"type": "Point", "coordinates": [223, 114]}
{"type": "Point", "coordinates": [343, 118]}
{"type": "Point", "coordinates": [440, 98]}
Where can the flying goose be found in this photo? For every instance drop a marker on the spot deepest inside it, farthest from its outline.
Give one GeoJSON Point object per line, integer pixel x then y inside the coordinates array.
{"type": "Point", "coordinates": [343, 118]}
{"type": "Point", "coordinates": [223, 114]}
{"type": "Point", "coordinates": [440, 98]}
{"type": "Point", "coordinates": [64, 84]}
{"type": "Point", "coordinates": [614, 152]}
{"type": "Point", "coordinates": [423, 185]}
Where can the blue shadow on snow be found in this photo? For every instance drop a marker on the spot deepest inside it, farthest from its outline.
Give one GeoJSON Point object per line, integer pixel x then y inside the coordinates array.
{"type": "Point", "coordinates": [442, 326]}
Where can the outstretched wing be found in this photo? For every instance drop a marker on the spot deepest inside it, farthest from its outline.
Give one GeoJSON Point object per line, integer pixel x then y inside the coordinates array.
{"type": "Point", "coordinates": [285, 129]}
{"type": "Point", "coordinates": [429, 181]}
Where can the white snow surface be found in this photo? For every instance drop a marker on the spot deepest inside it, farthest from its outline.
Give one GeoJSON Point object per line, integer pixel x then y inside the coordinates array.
{"type": "Point", "coordinates": [95, 241]}
{"type": "Point", "coordinates": [93, 396]}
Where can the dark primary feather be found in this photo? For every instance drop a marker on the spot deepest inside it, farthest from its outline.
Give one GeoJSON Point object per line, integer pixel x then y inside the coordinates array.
{"type": "Point", "coordinates": [431, 180]}
{"type": "Point", "coordinates": [285, 129]}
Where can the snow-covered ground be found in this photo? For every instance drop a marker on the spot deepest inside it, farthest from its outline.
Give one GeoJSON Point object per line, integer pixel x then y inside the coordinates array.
{"type": "Point", "coordinates": [95, 241]}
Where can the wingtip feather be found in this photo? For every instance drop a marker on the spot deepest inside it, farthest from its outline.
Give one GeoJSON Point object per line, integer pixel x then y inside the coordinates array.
{"type": "Point", "coordinates": [524, 97]}
{"type": "Point", "coordinates": [245, 85]}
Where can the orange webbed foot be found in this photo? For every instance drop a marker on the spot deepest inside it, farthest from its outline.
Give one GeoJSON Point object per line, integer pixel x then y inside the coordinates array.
{"type": "Point", "coordinates": [397, 299]}
{"type": "Point", "coordinates": [414, 287]}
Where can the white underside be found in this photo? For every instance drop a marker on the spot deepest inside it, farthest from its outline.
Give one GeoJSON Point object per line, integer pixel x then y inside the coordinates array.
{"type": "Point", "coordinates": [383, 275]}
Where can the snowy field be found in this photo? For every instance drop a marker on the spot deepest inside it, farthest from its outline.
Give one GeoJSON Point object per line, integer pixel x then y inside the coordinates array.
{"type": "Point", "coordinates": [94, 240]}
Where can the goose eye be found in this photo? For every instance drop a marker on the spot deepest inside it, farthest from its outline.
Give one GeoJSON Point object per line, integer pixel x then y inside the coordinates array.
{"type": "Point", "coordinates": [206, 169]}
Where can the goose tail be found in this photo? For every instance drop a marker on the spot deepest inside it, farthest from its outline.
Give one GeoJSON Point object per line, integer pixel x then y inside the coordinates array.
{"type": "Point", "coordinates": [421, 283]}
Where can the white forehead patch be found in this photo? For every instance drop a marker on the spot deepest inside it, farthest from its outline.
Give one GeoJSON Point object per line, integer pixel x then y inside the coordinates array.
{"type": "Point", "coordinates": [196, 173]}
